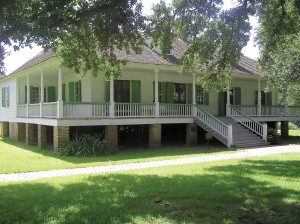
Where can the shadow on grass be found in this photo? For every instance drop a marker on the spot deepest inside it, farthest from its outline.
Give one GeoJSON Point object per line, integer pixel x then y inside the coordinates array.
{"type": "Point", "coordinates": [224, 194]}
{"type": "Point", "coordinates": [135, 154]}
{"type": "Point", "coordinates": [289, 140]}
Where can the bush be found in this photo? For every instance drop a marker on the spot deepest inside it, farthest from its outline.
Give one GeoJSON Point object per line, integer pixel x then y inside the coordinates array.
{"type": "Point", "coordinates": [87, 145]}
{"type": "Point", "coordinates": [273, 136]}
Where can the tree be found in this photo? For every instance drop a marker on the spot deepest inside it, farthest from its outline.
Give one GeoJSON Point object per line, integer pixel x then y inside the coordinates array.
{"type": "Point", "coordinates": [83, 33]}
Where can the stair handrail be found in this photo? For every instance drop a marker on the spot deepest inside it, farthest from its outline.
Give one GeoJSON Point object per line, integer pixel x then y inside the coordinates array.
{"type": "Point", "coordinates": [212, 121]}
{"type": "Point", "coordinates": [247, 121]}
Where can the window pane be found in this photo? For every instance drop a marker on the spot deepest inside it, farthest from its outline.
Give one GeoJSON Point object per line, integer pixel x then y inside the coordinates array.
{"type": "Point", "coordinates": [122, 91]}
{"type": "Point", "coordinates": [179, 93]}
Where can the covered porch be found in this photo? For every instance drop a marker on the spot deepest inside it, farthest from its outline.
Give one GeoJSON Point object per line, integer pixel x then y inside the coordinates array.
{"type": "Point", "coordinates": [58, 94]}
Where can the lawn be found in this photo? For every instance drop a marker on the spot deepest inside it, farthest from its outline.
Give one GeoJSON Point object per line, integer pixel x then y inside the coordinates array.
{"type": "Point", "coordinates": [294, 132]}
{"type": "Point", "coordinates": [259, 190]}
{"type": "Point", "coordinates": [18, 157]}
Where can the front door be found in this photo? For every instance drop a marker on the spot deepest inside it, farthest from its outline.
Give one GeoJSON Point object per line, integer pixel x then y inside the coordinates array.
{"type": "Point", "coordinates": [222, 103]}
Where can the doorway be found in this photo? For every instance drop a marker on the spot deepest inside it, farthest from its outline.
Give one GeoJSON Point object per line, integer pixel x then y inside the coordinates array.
{"type": "Point", "coordinates": [222, 103]}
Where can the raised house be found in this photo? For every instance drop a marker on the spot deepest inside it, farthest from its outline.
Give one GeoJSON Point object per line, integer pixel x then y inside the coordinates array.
{"type": "Point", "coordinates": [47, 105]}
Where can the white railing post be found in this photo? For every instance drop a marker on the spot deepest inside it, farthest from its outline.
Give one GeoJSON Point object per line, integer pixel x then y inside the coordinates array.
{"type": "Point", "coordinates": [265, 131]}
{"type": "Point", "coordinates": [28, 96]}
{"type": "Point", "coordinates": [156, 70]}
{"type": "Point", "coordinates": [60, 104]}
{"type": "Point", "coordinates": [228, 103]}
{"type": "Point", "coordinates": [111, 95]}
{"type": "Point", "coordinates": [258, 98]}
{"type": "Point", "coordinates": [230, 136]}
{"type": "Point", "coordinates": [42, 94]}
{"type": "Point", "coordinates": [194, 109]}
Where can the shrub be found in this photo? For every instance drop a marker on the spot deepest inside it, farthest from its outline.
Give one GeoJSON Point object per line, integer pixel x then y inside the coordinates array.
{"type": "Point", "coordinates": [87, 145]}
{"type": "Point", "coordinates": [273, 136]}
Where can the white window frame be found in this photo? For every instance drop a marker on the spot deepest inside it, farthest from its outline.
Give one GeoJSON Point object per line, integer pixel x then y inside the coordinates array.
{"type": "Point", "coordinates": [5, 96]}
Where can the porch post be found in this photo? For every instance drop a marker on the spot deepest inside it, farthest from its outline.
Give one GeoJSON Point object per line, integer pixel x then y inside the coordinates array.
{"type": "Point", "coordinates": [194, 96]}
{"type": "Point", "coordinates": [17, 97]}
{"type": "Point", "coordinates": [286, 103]}
{"type": "Point", "coordinates": [60, 103]}
{"type": "Point", "coordinates": [28, 95]}
{"type": "Point", "coordinates": [156, 70]}
{"type": "Point", "coordinates": [42, 94]}
{"type": "Point", "coordinates": [111, 95]}
{"type": "Point", "coordinates": [228, 114]}
{"type": "Point", "coordinates": [259, 98]}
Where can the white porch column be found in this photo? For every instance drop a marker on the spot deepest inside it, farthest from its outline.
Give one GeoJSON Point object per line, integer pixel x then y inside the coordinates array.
{"type": "Point", "coordinates": [156, 70]}
{"type": "Point", "coordinates": [111, 100]}
{"type": "Point", "coordinates": [228, 113]}
{"type": "Point", "coordinates": [28, 95]}
{"type": "Point", "coordinates": [17, 97]}
{"type": "Point", "coordinates": [286, 103]}
{"type": "Point", "coordinates": [265, 131]}
{"type": "Point", "coordinates": [230, 137]}
{"type": "Point", "coordinates": [259, 98]}
{"type": "Point", "coordinates": [194, 96]}
{"type": "Point", "coordinates": [60, 104]}
{"type": "Point", "coordinates": [42, 93]}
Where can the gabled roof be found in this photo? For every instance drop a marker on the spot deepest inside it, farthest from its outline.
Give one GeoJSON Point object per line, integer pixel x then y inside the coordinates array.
{"type": "Point", "coordinates": [148, 56]}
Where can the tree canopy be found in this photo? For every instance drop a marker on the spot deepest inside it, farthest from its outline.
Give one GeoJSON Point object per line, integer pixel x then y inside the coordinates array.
{"type": "Point", "coordinates": [84, 34]}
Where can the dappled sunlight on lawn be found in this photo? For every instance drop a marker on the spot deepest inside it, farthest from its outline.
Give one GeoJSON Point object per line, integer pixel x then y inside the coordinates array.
{"type": "Point", "coordinates": [19, 157]}
{"type": "Point", "coordinates": [223, 192]}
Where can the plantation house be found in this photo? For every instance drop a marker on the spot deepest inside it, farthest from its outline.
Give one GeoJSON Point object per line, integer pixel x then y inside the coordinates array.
{"type": "Point", "coordinates": [47, 105]}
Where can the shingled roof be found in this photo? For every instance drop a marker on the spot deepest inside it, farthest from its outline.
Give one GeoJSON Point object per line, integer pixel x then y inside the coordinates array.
{"type": "Point", "coordinates": [148, 56]}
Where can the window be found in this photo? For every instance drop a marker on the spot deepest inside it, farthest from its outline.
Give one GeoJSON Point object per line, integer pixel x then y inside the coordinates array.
{"type": "Point", "coordinates": [35, 97]}
{"type": "Point", "coordinates": [122, 91]}
{"type": "Point", "coordinates": [199, 95]}
{"type": "Point", "coordinates": [5, 96]}
{"type": "Point", "coordinates": [202, 98]}
{"type": "Point", "coordinates": [179, 93]}
{"type": "Point", "coordinates": [77, 91]}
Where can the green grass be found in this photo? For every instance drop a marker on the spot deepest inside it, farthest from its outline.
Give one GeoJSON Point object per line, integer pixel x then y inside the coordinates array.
{"type": "Point", "coordinates": [260, 190]}
{"type": "Point", "coordinates": [294, 132]}
{"type": "Point", "coordinates": [18, 157]}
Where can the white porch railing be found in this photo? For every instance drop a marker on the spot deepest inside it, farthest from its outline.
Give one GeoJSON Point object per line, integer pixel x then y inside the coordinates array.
{"type": "Point", "coordinates": [86, 110]}
{"type": "Point", "coordinates": [175, 110]}
{"type": "Point", "coordinates": [212, 121]}
{"type": "Point", "coordinates": [34, 110]}
{"type": "Point", "coordinates": [248, 122]}
{"type": "Point", "coordinates": [49, 110]}
{"type": "Point", "coordinates": [22, 110]}
{"type": "Point", "coordinates": [134, 110]}
{"type": "Point", "coordinates": [248, 110]}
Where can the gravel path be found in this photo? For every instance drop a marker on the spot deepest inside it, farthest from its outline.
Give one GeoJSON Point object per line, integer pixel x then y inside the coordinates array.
{"type": "Point", "coordinates": [255, 152]}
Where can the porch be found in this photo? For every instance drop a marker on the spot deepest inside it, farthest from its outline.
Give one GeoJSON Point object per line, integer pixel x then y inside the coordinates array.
{"type": "Point", "coordinates": [91, 110]}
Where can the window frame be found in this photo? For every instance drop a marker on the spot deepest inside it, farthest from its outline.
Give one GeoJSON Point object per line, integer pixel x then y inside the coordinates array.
{"type": "Point", "coordinates": [5, 96]}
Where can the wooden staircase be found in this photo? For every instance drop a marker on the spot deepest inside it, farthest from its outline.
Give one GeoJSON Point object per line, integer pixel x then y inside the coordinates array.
{"type": "Point", "coordinates": [242, 136]}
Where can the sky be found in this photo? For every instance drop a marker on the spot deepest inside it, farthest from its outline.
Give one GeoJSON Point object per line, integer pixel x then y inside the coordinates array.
{"type": "Point", "coordinates": [16, 59]}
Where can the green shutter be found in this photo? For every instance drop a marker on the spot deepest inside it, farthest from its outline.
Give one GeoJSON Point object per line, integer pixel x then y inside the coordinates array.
{"type": "Point", "coordinates": [135, 91]}
{"type": "Point", "coordinates": [64, 92]}
{"type": "Point", "coordinates": [221, 104]}
{"type": "Point", "coordinates": [153, 91]}
{"type": "Point", "coordinates": [256, 97]}
{"type": "Point", "coordinates": [71, 92]}
{"type": "Point", "coordinates": [269, 98]}
{"type": "Point", "coordinates": [170, 92]}
{"type": "Point", "coordinates": [25, 94]}
{"type": "Point", "coordinates": [79, 92]}
{"type": "Point", "coordinates": [107, 91]}
{"type": "Point", "coordinates": [190, 93]}
{"type": "Point", "coordinates": [237, 96]}
{"type": "Point", "coordinates": [31, 94]}
{"type": "Point", "coordinates": [206, 98]}
{"type": "Point", "coordinates": [163, 86]}
{"type": "Point", "coordinates": [51, 93]}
